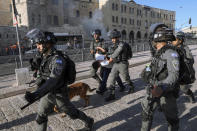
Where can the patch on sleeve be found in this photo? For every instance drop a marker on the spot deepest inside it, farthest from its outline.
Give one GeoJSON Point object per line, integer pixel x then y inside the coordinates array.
{"type": "Point", "coordinates": [175, 65]}
{"type": "Point", "coordinates": [59, 61]}
{"type": "Point", "coordinates": [174, 55]}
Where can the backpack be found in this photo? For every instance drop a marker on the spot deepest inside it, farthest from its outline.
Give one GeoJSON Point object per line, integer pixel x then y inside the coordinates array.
{"type": "Point", "coordinates": [70, 72]}
{"type": "Point", "coordinates": [187, 71]}
{"type": "Point", "coordinates": [129, 50]}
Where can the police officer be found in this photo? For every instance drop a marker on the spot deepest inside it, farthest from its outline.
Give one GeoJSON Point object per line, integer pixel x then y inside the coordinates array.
{"type": "Point", "coordinates": [179, 42]}
{"type": "Point", "coordinates": [105, 71]}
{"type": "Point", "coordinates": [163, 83]}
{"type": "Point", "coordinates": [53, 91]}
{"type": "Point", "coordinates": [96, 46]}
{"type": "Point", "coordinates": [120, 66]}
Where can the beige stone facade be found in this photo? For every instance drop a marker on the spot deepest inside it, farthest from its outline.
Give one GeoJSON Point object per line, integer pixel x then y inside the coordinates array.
{"type": "Point", "coordinates": [83, 16]}
{"type": "Point", "coordinates": [132, 19]}
{"type": "Point", "coordinates": [53, 13]}
{"type": "Point", "coordinates": [191, 31]}
{"type": "Point", "coordinates": [5, 13]}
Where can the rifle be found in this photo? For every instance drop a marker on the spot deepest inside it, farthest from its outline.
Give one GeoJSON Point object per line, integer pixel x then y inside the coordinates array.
{"type": "Point", "coordinates": [28, 104]}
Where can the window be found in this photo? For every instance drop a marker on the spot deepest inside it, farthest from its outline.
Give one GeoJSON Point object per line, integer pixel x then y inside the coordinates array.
{"type": "Point", "coordinates": [55, 19]}
{"type": "Point", "coordinates": [55, 2]}
{"type": "Point", "coordinates": [39, 19]}
{"type": "Point", "coordinates": [125, 9]}
{"type": "Point", "coordinates": [121, 8]}
{"type": "Point", "coordinates": [121, 20]}
{"type": "Point", "coordinates": [0, 36]}
{"type": "Point", "coordinates": [146, 13]}
{"type": "Point", "coordinates": [49, 19]}
{"type": "Point", "coordinates": [33, 19]}
{"type": "Point", "coordinates": [113, 6]}
{"type": "Point", "coordinates": [125, 20]}
{"type": "Point", "coordinates": [138, 22]}
{"type": "Point", "coordinates": [113, 19]}
{"type": "Point", "coordinates": [65, 21]}
{"type": "Point", "coordinates": [7, 36]}
{"type": "Point", "coordinates": [117, 7]}
{"type": "Point", "coordinates": [77, 13]}
{"type": "Point", "coordinates": [13, 35]}
{"type": "Point", "coordinates": [116, 19]}
{"type": "Point", "coordinates": [146, 23]}
{"type": "Point", "coordinates": [139, 12]}
{"type": "Point", "coordinates": [90, 14]}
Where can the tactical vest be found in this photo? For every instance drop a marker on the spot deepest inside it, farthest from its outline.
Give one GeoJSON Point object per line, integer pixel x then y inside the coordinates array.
{"type": "Point", "coordinates": [123, 55]}
{"type": "Point", "coordinates": [98, 44]}
{"type": "Point", "coordinates": [163, 72]}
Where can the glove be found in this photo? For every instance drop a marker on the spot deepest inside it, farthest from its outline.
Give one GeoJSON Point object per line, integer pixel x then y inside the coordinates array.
{"type": "Point", "coordinates": [156, 91]}
{"type": "Point", "coordinates": [29, 97]}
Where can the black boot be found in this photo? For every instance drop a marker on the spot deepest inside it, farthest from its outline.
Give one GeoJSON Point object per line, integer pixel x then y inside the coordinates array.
{"type": "Point", "coordinates": [191, 96]}
{"type": "Point", "coordinates": [110, 97]}
{"type": "Point", "coordinates": [122, 88]}
{"type": "Point", "coordinates": [131, 89]}
{"type": "Point", "coordinates": [101, 92]}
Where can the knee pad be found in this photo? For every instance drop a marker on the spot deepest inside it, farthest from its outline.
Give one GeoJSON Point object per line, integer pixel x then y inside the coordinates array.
{"type": "Point", "coordinates": [146, 117]}
{"type": "Point", "coordinates": [40, 119]}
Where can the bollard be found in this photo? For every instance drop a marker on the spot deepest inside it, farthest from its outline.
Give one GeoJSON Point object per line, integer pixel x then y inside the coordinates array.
{"type": "Point", "coordinates": [22, 76]}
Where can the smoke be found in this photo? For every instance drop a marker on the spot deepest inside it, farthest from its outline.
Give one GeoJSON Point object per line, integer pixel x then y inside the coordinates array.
{"type": "Point", "coordinates": [69, 7]}
{"type": "Point", "coordinates": [96, 22]}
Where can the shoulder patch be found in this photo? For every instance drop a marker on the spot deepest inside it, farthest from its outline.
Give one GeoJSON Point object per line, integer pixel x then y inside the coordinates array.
{"type": "Point", "coordinates": [174, 55]}
{"type": "Point", "coordinates": [59, 61]}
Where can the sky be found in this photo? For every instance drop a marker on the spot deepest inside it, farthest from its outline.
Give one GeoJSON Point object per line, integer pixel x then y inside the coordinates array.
{"type": "Point", "coordinates": [184, 9]}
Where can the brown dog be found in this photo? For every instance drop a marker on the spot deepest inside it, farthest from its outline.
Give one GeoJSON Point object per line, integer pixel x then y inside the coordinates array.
{"type": "Point", "coordinates": [78, 89]}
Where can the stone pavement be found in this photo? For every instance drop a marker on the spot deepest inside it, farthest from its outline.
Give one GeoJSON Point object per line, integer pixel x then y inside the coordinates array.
{"type": "Point", "coordinates": [123, 114]}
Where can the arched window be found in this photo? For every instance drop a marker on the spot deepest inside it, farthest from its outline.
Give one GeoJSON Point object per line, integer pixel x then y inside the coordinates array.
{"type": "Point", "coordinates": [124, 35]}
{"type": "Point", "coordinates": [90, 14]}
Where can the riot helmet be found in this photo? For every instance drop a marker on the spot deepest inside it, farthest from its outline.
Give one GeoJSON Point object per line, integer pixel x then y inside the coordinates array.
{"type": "Point", "coordinates": [159, 32]}
{"type": "Point", "coordinates": [41, 37]}
{"type": "Point", "coordinates": [180, 35]}
{"type": "Point", "coordinates": [114, 34]}
{"type": "Point", "coordinates": [97, 31]}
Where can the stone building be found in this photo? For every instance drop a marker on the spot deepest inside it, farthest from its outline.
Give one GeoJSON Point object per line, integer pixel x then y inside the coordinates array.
{"type": "Point", "coordinates": [53, 13]}
{"type": "Point", "coordinates": [83, 16]}
{"type": "Point", "coordinates": [8, 36]}
{"type": "Point", "coordinates": [5, 13]}
{"type": "Point", "coordinates": [190, 31]}
{"type": "Point", "coordinates": [132, 19]}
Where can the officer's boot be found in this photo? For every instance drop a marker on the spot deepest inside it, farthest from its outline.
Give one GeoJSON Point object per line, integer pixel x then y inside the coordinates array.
{"type": "Point", "coordinates": [111, 96]}
{"type": "Point", "coordinates": [89, 122]}
{"type": "Point", "coordinates": [131, 88]}
{"type": "Point", "coordinates": [122, 88]}
{"type": "Point", "coordinates": [191, 96]}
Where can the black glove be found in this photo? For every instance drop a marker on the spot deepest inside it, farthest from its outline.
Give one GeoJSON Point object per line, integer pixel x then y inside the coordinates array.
{"type": "Point", "coordinates": [30, 97]}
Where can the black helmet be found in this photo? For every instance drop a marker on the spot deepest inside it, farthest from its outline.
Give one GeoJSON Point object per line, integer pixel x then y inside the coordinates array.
{"type": "Point", "coordinates": [114, 34]}
{"type": "Point", "coordinates": [159, 32]}
{"type": "Point", "coordinates": [38, 36]}
{"type": "Point", "coordinates": [180, 35]}
{"type": "Point", "coordinates": [97, 31]}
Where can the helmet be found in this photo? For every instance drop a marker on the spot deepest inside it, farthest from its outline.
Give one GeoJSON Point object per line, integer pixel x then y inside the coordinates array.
{"type": "Point", "coordinates": [159, 32]}
{"type": "Point", "coordinates": [180, 35]}
{"type": "Point", "coordinates": [114, 34]}
{"type": "Point", "coordinates": [38, 36]}
{"type": "Point", "coordinates": [97, 31]}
